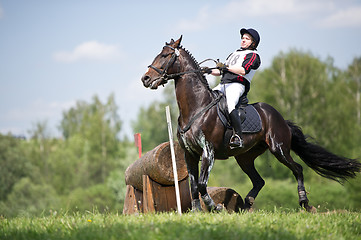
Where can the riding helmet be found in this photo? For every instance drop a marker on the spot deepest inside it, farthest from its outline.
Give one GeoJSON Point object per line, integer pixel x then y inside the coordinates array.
{"type": "Point", "coordinates": [253, 33]}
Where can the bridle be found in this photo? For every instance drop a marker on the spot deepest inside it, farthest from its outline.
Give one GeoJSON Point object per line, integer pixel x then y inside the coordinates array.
{"type": "Point", "coordinates": [163, 71]}
{"type": "Point", "coordinates": [163, 74]}
{"type": "Point", "coordinates": [165, 77]}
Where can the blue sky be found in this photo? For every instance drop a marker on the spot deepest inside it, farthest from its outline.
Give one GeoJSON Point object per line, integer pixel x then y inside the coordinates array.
{"type": "Point", "coordinates": [53, 53]}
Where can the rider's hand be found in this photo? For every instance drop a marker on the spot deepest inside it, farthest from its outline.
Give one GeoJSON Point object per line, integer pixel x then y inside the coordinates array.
{"type": "Point", "coordinates": [221, 66]}
{"type": "Point", "coordinates": [206, 70]}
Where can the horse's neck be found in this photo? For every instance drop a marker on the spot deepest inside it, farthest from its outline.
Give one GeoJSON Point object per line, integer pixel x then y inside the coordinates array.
{"type": "Point", "coordinates": [192, 93]}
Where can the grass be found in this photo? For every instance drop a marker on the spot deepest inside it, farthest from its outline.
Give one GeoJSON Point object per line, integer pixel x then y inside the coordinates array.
{"type": "Point", "coordinates": [278, 224]}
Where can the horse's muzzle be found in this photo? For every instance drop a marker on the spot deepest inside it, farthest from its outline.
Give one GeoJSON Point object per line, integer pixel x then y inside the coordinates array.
{"type": "Point", "coordinates": [146, 80]}
{"type": "Point", "coordinates": [151, 83]}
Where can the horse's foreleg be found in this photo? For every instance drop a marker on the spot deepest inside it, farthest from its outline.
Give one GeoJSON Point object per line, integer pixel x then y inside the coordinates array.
{"type": "Point", "coordinates": [206, 167]}
{"type": "Point", "coordinates": [193, 173]}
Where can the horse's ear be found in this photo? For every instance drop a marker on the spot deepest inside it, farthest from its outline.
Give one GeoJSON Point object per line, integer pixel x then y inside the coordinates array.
{"type": "Point", "coordinates": [170, 43]}
{"type": "Point", "coordinates": [178, 42]}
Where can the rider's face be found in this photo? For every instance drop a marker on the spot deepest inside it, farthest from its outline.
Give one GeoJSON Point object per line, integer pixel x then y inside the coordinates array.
{"type": "Point", "coordinates": [246, 40]}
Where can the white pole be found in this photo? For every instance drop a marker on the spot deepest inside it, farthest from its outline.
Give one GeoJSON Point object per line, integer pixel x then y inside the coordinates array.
{"type": "Point", "coordinates": [169, 122]}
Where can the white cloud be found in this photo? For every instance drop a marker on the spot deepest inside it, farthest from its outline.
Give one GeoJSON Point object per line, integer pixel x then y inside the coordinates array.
{"type": "Point", "coordinates": [208, 17]}
{"type": "Point", "coordinates": [91, 50]}
{"type": "Point", "coordinates": [322, 13]}
{"type": "Point", "coordinates": [278, 7]}
{"type": "Point", "coordinates": [202, 20]}
{"type": "Point", "coordinates": [350, 17]}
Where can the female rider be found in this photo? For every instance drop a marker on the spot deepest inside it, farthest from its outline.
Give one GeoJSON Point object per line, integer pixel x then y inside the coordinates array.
{"type": "Point", "coordinates": [237, 73]}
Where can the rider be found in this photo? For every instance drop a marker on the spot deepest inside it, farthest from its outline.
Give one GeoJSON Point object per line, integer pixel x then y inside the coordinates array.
{"type": "Point", "coordinates": [237, 73]}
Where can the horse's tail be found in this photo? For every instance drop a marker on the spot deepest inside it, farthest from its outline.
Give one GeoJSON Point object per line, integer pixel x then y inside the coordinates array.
{"type": "Point", "coordinates": [320, 160]}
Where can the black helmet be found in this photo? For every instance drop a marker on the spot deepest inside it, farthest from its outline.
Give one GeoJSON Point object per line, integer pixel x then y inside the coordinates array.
{"type": "Point", "coordinates": [254, 35]}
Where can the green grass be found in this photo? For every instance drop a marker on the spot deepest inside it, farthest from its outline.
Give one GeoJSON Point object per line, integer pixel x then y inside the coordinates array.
{"type": "Point", "coordinates": [278, 224]}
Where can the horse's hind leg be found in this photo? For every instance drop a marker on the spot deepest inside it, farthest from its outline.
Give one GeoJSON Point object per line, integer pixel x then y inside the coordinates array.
{"type": "Point", "coordinates": [281, 150]}
{"type": "Point", "coordinates": [246, 162]}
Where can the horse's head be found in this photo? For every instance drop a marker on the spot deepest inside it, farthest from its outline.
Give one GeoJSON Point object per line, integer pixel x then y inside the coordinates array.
{"type": "Point", "coordinates": [164, 65]}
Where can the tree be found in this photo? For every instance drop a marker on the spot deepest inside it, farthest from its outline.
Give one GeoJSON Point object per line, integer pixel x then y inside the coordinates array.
{"type": "Point", "coordinates": [353, 77]}
{"type": "Point", "coordinates": [311, 93]}
{"type": "Point", "coordinates": [151, 122]}
{"type": "Point", "coordinates": [353, 98]}
{"type": "Point", "coordinates": [29, 198]}
{"type": "Point", "coordinates": [98, 126]}
{"type": "Point", "coordinates": [13, 164]}
{"type": "Point", "coordinates": [39, 148]}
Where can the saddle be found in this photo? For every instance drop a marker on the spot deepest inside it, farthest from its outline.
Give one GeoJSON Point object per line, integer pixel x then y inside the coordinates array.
{"type": "Point", "coordinates": [251, 120]}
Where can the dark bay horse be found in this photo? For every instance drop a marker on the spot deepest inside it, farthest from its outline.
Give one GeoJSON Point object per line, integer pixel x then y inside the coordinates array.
{"type": "Point", "coordinates": [201, 132]}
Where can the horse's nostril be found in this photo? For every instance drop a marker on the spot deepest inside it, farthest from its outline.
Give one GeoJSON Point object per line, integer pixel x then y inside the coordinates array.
{"type": "Point", "coordinates": [145, 80]}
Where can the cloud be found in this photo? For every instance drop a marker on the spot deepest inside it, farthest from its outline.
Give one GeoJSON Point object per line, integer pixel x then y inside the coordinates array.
{"type": "Point", "coordinates": [321, 13]}
{"type": "Point", "coordinates": [278, 7]}
{"type": "Point", "coordinates": [201, 20]}
{"type": "Point", "coordinates": [350, 17]}
{"type": "Point", "coordinates": [91, 50]}
{"type": "Point", "coordinates": [208, 16]}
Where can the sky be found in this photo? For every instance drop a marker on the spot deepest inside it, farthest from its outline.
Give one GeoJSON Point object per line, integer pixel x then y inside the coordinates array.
{"type": "Point", "coordinates": [55, 53]}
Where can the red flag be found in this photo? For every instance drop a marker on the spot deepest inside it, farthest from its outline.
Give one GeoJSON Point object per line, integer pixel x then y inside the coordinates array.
{"type": "Point", "coordinates": [138, 143]}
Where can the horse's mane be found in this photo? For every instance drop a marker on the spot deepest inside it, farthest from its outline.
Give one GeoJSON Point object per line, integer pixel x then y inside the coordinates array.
{"type": "Point", "coordinates": [202, 78]}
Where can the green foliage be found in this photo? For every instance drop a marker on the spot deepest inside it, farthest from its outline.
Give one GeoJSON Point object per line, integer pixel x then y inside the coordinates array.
{"type": "Point", "coordinates": [76, 173]}
{"type": "Point", "coordinates": [98, 125]}
{"type": "Point", "coordinates": [354, 193]}
{"type": "Point", "coordinates": [98, 197]}
{"type": "Point", "coordinates": [28, 198]}
{"type": "Point", "coordinates": [152, 123]}
{"type": "Point", "coordinates": [116, 178]}
{"type": "Point", "coordinates": [313, 93]}
{"type": "Point", "coordinates": [13, 164]}
{"type": "Point", "coordinates": [258, 225]}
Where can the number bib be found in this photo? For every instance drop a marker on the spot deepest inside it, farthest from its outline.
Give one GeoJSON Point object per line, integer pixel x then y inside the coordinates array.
{"type": "Point", "coordinates": [236, 60]}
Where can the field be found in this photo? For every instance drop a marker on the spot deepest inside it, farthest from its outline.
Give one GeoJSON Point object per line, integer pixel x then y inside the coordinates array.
{"type": "Point", "coordinates": [277, 224]}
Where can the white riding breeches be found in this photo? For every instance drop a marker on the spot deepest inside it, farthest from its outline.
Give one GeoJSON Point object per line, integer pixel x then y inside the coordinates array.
{"type": "Point", "coordinates": [232, 91]}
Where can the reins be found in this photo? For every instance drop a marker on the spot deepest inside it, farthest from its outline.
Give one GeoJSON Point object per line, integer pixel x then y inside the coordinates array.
{"type": "Point", "coordinates": [209, 106]}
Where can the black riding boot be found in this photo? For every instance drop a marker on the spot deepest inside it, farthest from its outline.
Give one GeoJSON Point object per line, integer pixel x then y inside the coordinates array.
{"type": "Point", "coordinates": [236, 139]}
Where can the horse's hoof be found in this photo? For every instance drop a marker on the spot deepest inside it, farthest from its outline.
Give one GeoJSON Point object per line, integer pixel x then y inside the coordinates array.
{"type": "Point", "coordinates": [196, 206]}
{"type": "Point", "coordinates": [218, 208]}
{"type": "Point", "coordinates": [196, 210]}
{"type": "Point", "coordinates": [248, 204]}
{"type": "Point", "coordinates": [310, 209]}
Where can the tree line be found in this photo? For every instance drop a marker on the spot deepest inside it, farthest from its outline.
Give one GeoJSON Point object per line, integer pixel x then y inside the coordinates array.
{"type": "Point", "coordinates": [84, 169]}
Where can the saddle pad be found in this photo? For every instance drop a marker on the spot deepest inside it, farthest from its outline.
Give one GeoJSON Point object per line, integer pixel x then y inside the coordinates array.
{"type": "Point", "coordinates": [251, 124]}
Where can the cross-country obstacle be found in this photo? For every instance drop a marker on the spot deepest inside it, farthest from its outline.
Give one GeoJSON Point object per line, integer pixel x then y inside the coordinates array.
{"type": "Point", "coordinates": [150, 184]}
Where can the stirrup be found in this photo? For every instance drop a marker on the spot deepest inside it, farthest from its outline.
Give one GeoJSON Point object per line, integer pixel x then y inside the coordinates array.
{"type": "Point", "coordinates": [236, 142]}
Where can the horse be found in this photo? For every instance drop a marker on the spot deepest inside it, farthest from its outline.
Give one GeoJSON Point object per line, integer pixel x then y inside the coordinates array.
{"type": "Point", "coordinates": [201, 133]}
